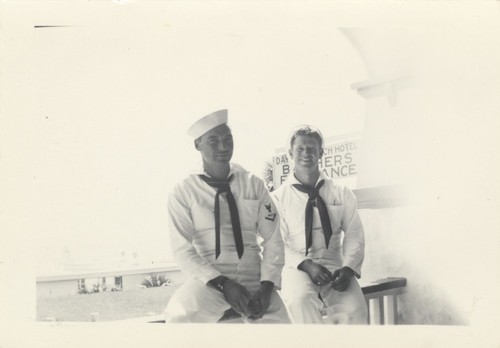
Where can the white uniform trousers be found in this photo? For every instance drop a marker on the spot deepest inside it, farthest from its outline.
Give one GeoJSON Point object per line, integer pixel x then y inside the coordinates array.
{"type": "Point", "coordinates": [301, 297]}
{"type": "Point", "coordinates": [194, 302]}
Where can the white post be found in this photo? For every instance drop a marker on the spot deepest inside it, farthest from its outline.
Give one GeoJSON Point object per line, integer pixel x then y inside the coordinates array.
{"type": "Point", "coordinates": [390, 309]}
{"type": "Point", "coordinates": [375, 310]}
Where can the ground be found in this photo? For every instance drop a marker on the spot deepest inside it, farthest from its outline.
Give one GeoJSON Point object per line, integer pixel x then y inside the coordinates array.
{"type": "Point", "coordinates": [110, 305]}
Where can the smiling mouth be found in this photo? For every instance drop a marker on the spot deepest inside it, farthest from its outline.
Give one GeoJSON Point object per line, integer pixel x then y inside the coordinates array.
{"type": "Point", "coordinates": [225, 154]}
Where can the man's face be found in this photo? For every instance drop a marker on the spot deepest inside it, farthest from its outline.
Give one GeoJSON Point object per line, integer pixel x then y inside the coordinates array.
{"type": "Point", "coordinates": [216, 146]}
{"type": "Point", "coordinates": [306, 151]}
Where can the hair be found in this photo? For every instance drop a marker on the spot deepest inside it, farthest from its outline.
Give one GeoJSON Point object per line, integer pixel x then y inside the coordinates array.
{"type": "Point", "coordinates": [306, 130]}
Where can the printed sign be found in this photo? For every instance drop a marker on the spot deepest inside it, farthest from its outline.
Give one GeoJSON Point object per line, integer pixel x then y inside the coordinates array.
{"type": "Point", "coordinates": [339, 161]}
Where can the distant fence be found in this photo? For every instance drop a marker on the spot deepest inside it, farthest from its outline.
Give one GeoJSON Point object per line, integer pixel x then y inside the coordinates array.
{"type": "Point", "coordinates": [70, 282]}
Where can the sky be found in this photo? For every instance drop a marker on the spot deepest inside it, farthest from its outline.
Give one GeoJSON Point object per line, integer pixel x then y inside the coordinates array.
{"type": "Point", "coordinates": [112, 94]}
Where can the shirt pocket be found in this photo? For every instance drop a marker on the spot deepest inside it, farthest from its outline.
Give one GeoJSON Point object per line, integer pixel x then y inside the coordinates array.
{"type": "Point", "coordinates": [203, 218]}
{"type": "Point", "coordinates": [248, 211]}
{"type": "Point", "coordinates": [335, 212]}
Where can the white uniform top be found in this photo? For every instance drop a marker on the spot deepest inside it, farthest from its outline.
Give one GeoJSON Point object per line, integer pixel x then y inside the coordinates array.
{"type": "Point", "coordinates": [192, 230]}
{"type": "Point", "coordinates": [344, 249]}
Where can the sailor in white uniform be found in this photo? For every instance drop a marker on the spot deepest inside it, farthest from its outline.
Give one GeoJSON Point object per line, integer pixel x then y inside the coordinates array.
{"type": "Point", "coordinates": [225, 236]}
{"type": "Point", "coordinates": [324, 239]}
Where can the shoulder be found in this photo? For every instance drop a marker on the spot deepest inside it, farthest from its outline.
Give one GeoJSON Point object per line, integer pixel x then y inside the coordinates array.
{"type": "Point", "coordinates": [239, 170]}
{"type": "Point", "coordinates": [345, 194]}
{"type": "Point", "coordinates": [338, 190]}
{"type": "Point", "coordinates": [247, 176]}
{"type": "Point", "coordinates": [284, 190]}
{"type": "Point", "coordinates": [184, 186]}
{"type": "Point", "coordinates": [278, 193]}
{"type": "Point", "coordinates": [331, 184]}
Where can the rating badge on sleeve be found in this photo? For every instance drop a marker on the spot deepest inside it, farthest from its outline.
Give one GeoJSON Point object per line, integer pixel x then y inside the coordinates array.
{"type": "Point", "coordinates": [270, 215]}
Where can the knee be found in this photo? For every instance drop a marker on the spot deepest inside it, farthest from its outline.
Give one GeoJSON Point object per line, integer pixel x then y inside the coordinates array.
{"type": "Point", "coordinates": [303, 299]}
{"type": "Point", "coordinates": [195, 304]}
{"type": "Point", "coordinates": [175, 312]}
{"type": "Point", "coordinates": [177, 307]}
{"type": "Point", "coordinates": [353, 316]}
{"type": "Point", "coordinates": [348, 310]}
{"type": "Point", "coordinates": [359, 315]}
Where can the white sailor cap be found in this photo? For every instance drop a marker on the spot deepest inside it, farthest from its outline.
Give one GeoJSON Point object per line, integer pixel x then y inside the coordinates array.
{"type": "Point", "coordinates": [207, 123]}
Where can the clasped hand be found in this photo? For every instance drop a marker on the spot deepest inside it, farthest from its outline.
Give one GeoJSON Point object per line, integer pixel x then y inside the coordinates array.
{"type": "Point", "coordinates": [320, 275]}
{"type": "Point", "coordinates": [245, 304]}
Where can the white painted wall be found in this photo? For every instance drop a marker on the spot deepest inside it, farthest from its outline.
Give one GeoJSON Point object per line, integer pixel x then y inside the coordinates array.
{"type": "Point", "coordinates": [438, 137]}
{"type": "Point", "coordinates": [57, 288]}
{"type": "Point", "coordinates": [392, 250]}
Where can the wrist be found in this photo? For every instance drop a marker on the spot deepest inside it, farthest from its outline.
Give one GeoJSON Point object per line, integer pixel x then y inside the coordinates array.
{"type": "Point", "coordinates": [218, 283]}
{"type": "Point", "coordinates": [349, 269]}
{"type": "Point", "coordinates": [267, 285]}
{"type": "Point", "coordinates": [304, 265]}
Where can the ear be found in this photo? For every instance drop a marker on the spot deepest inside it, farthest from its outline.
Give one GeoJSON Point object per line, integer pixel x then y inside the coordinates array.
{"type": "Point", "coordinates": [197, 144]}
{"type": "Point", "coordinates": [290, 154]}
{"type": "Point", "coordinates": [321, 152]}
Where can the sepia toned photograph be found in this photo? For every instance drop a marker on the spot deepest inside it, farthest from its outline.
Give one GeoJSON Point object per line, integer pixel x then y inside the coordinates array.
{"type": "Point", "coordinates": [287, 172]}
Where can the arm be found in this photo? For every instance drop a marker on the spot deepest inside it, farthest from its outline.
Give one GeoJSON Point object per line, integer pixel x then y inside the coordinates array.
{"type": "Point", "coordinates": [272, 243]}
{"type": "Point", "coordinates": [353, 244]}
{"type": "Point", "coordinates": [273, 254]}
{"type": "Point", "coordinates": [354, 238]}
{"type": "Point", "coordinates": [181, 234]}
